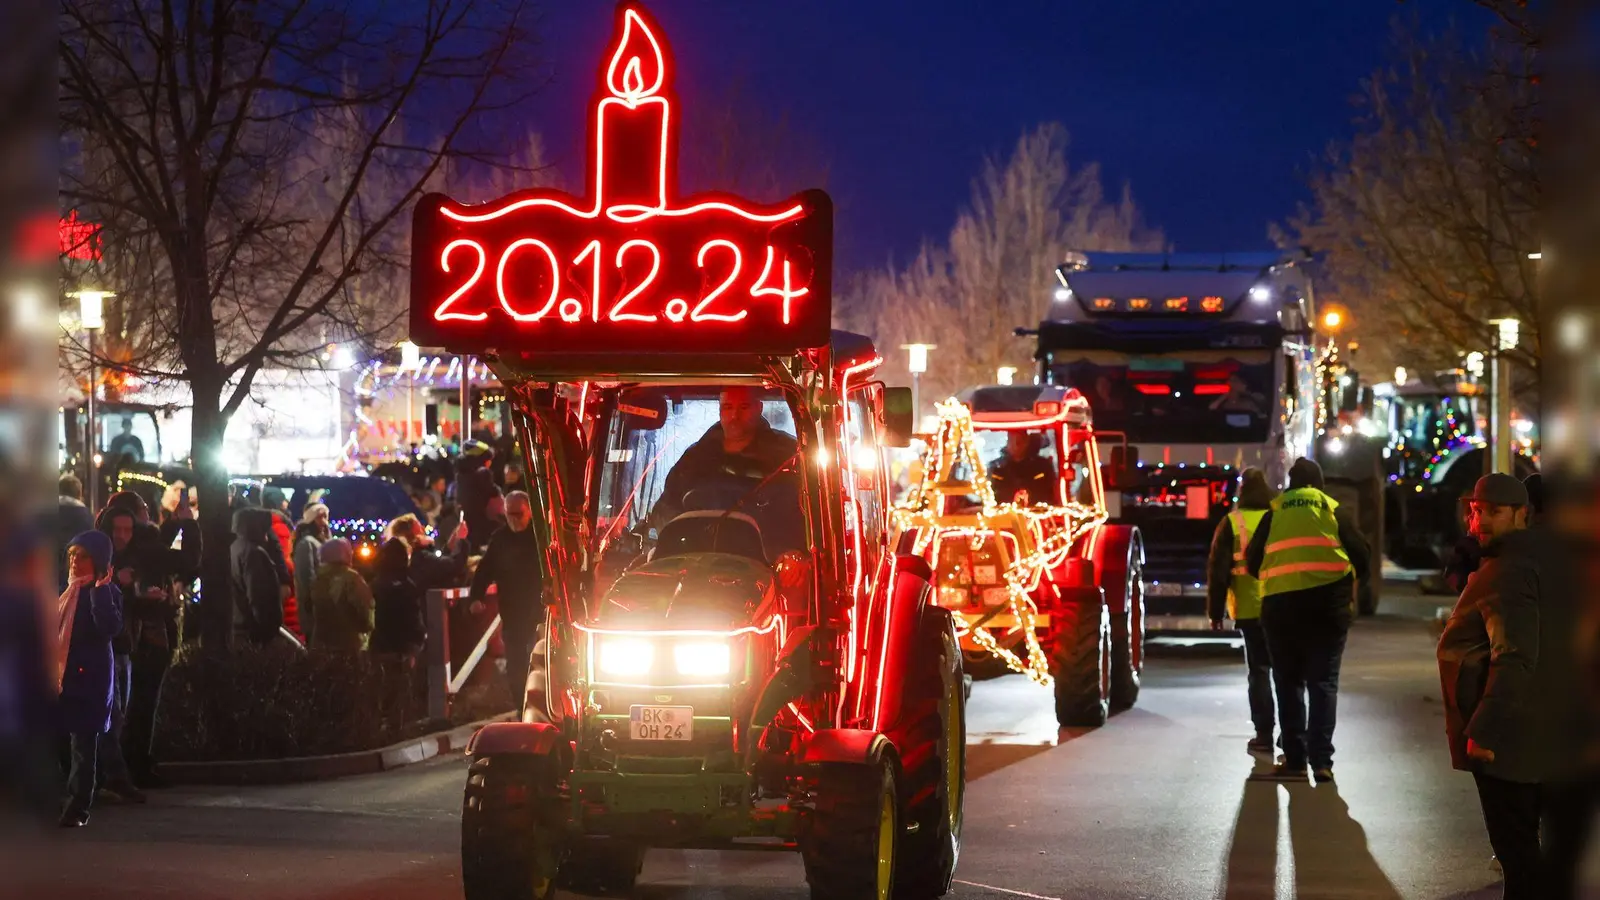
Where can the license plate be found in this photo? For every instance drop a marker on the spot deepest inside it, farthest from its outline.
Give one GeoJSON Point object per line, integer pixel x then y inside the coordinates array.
{"type": "Point", "coordinates": [661, 723]}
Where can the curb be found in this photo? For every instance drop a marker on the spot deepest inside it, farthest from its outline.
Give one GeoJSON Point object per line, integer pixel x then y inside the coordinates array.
{"type": "Point", "coordinates": [322, 768]}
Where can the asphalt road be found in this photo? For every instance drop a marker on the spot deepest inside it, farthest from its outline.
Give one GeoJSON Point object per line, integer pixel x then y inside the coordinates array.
{"type": "Point", "coordinates": [1157, 804]}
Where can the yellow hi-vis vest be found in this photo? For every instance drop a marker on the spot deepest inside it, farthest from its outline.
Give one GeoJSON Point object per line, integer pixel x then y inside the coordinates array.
{"type": "Point", "coordinates": [1244, 591]}
{"type": "Point", "coordinates": [1303, 549]}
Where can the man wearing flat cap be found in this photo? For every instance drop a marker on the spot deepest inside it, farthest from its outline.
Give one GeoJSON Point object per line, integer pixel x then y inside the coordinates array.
{"type": "Point", "coordinates": [1490, 672]}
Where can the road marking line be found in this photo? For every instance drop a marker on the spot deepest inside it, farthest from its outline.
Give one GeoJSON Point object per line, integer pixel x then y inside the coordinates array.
{"type": "Point", "coordinates": [990, 887]}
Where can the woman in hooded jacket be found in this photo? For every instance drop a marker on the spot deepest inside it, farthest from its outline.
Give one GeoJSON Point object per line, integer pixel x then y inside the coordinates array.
{"type": "Point", "coordinates": [90, 615]}
{"type": "Point", "coordinates": [309, 536]}
{"type": "Point", "coordinates": [400, 626]}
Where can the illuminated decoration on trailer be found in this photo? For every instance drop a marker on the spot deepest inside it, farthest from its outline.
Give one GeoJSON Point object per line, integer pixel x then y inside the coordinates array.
{"type": "Point", "coordinates": [631, 266]}
{"type": "Point", "coordinates": [1053, 530]}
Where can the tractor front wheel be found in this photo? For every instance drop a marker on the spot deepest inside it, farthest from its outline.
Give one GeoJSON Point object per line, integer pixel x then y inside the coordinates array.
{"type": "Point", "coordinates": [852, 843]}
{"type": "Point", "coordinates": [510, 847]}
{"type": "Point", "coordinates": [1080, 659]}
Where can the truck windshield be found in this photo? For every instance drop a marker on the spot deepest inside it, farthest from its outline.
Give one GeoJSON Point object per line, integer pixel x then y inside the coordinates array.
{"type": "Point", "coordinates": [1177, 398]}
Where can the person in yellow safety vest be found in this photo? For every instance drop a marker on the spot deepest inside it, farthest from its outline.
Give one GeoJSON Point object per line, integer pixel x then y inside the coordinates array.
{"type": "Point", "coordinates": [1232, 592]}
{"type": "Point", "coordinates": [1307, 556]}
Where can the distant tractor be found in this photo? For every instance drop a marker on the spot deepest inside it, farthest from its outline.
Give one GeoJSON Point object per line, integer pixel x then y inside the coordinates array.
{"type": "Point", "coordinates": [1010, 511]}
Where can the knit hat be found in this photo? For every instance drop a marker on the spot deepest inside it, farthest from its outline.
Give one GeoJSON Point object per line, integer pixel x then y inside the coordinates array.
{"type": "Point", "coordinates": [1305, 473]}
{"type": "Point", "coordinates": [98, 545]}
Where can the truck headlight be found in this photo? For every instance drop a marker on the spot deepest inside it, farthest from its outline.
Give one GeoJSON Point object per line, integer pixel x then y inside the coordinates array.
{"type": "Point", "coordinates": [625, 656]}
{"type": "Point", "coordinates": [703, 658]}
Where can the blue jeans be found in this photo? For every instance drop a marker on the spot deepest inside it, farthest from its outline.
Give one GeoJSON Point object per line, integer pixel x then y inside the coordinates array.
{"type": "Point", "coordinates": [113, 768]}
{"type": "Point", "coordinates": [80, 778]}
{"type": "Point", "coordinates": [1258, 678]}
{"type": "Point", "coordinates": [1306, 643]}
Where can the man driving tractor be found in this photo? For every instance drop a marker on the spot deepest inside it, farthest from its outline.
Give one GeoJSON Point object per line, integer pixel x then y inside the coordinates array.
{"type": "Point", "coordinates": [742, 443]}
{"type": "Point", "coordinates": [1022, 467]}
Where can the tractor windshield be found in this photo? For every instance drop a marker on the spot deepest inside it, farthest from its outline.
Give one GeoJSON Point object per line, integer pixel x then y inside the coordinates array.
{"type": "Point", "coordinates": [1022, 462]}
{"type": "Point", "coordinates": [683, 452]}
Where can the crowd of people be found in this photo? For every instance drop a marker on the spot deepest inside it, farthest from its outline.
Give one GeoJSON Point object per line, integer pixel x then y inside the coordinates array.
{"type": "Point", "coordinates": [124, 579]}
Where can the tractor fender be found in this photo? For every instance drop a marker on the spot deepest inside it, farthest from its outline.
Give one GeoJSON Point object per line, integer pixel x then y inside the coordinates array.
{"type": "Point", "coordinates": [889, 636]}
{"type": "Point", "coordinates": [515, 738]}
{"type": "Point", "coordinates": [846, 745]}
{"type": "Point", "coordinates": [1113, 548]}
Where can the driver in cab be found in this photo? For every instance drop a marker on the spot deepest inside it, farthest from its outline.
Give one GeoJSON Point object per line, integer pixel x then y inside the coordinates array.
{"type": "Point", "coordinates": [741, 444]}
{"type": "Point", "coordinates": [1023, 467]}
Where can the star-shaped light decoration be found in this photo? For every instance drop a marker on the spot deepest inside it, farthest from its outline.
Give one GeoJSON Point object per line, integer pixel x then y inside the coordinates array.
{"type": "Point", "coordinates": [1042, 534]}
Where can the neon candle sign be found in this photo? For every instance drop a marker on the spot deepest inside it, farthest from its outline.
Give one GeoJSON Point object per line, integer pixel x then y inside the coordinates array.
{"type": "Point", "coordinates": [631, 265]}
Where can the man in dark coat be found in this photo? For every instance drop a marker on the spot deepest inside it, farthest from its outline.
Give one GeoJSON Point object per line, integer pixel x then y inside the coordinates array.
{"type": "Point", "coordinates": [86, 678]}
{"type": "Point", "coordinates": [512, 564]}
{"type": "Point", "coordinates": [1490, 673]}
{"type": "Point", "coordinates": [742, 443]}
{"type": "Point", "coordinates": [1023, 468]}
{"type": "Point", "coordinates": [257, 605]}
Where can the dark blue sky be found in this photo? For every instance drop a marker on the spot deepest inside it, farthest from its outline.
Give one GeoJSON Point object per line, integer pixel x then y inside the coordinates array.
{"type": "Point", "coordinates": [1213, 111]}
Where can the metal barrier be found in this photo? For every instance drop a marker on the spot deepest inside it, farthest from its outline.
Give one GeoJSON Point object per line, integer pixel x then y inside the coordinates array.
{"type": "Point", "coordinates": [443, 681]}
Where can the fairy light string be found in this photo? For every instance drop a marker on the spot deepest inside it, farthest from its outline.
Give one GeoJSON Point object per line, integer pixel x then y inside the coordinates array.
{"type": "Point", "coordinates": [1043, 534]}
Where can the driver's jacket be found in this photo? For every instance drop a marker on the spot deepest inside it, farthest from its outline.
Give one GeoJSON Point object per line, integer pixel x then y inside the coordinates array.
{"type": "Point", "coordinates": [1034, 474]}
{"type": "Point", "coordinates": [705, 460]}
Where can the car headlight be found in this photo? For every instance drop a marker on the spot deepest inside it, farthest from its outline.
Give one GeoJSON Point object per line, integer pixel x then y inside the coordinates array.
{"type": "Point", "coordinates": [625, 656]}
{"type": "Point", "coordinates": [703, 658]}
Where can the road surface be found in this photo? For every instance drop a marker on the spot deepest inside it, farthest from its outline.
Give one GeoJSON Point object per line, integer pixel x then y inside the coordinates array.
{"type": "Point", "coordinates": [1157, 804]}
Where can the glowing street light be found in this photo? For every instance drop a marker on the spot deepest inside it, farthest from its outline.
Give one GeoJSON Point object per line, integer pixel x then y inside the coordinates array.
{"type": "Point", "coordinates": [1333, 320]}
{"type": "Point", "coordinates": [92, 316]}
{"type": "Point", "coordinates": [1005, 374]}
{"type": "Point", "coordinates": [917, 363]}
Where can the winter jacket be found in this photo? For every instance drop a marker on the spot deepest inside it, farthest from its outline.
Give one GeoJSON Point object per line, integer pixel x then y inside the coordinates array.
{"type": "Point", "coordinates": [1034, 474]}
{"type": "Point", "coordinates": [399, 616]}
{"type": "Point", "coordinates": [706, 460]}
{"type": "Point", "coordinates": [1324, 598]}
{"type": "Point", "coordinates": [257, 607]}
{"type": "Point", "coordinates": [86, 687]}
{"type": "Point", "coordinates": [1489, 662]}
{"type": "Point", "coordinates": [341, 605]}
{"type": "Point", "coordinates": [512, 564]}
{"type": "Point", "coordinates": [152, 620]}
{"type": "Point", "coordinates": [304, 559]}
{"type": "Point", "coordinates": [1220, 565]}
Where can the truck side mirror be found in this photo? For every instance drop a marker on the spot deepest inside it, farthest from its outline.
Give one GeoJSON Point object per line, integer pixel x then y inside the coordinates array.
{"type": "Point", "coordinates": [899, 419]}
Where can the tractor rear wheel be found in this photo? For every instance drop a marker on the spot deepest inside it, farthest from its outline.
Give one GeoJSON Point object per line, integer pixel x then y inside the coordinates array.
{"type": "Point", "coordinates": [852, 841]}
{"type": "Point", "coordinates": [510, 841]}
{"type": "Point", "coordinates": [1080, 660]}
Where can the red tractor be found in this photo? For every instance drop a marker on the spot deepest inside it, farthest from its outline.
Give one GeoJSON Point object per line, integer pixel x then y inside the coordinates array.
{"type": "Point", "coordinates": [1010, 512]}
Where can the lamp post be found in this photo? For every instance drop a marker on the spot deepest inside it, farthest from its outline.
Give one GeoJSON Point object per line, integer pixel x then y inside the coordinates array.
{"type": "Point", "coordinates": [1506, 332]}
{"type": "Point", "coordinates": [917, 363]}
{"type": "Point", "coordinates": [91, 315]}
{"type": "Point", "coordinates": [410, 360]}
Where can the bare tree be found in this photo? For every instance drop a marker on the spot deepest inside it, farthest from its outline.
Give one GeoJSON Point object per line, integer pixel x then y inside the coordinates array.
{"type": "Point", "coordinates": [1427, 217]}
{"type": "Point", "coordinates": [995, 271]}
{"type": "Point", "coordinates": [253, 163]}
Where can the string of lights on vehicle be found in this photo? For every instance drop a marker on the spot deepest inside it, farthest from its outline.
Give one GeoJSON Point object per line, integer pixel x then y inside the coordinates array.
{"type": "Point", "coordinates": [1052, 530]}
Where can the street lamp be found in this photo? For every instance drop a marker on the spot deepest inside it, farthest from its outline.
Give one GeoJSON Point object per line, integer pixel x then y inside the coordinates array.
{"type": "Point", "coordinates": [1005, 374]}
{"type": "Point", "coordinates": [1506, 334]}
{"type": "Point", "coordinates": [91, 315]}
{"type": "Point", "coordinates": [917, 363]}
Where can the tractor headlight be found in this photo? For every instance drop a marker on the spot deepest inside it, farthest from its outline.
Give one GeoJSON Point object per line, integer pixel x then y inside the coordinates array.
{"type": "Point", "coordinates": [703, 658]}
{"type": "Point", "coordinates": [625, 656]}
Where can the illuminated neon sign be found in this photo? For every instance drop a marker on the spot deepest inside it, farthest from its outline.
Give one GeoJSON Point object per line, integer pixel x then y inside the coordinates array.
{"type": "Point", "coordinates": [630, 266]}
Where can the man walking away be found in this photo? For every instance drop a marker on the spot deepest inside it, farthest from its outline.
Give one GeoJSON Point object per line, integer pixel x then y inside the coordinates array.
{"type": "Point", "coordinates": [1489, 671]}
{"type": "Point", "coordinates": [1307, 557]}
{"type": "Point", "coordinates": [512, 564]}
{"type": "Point", "coordinates": [1231, 589]}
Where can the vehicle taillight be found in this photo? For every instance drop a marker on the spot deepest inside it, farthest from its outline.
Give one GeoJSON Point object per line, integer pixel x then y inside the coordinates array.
{"type": "Point", "coordinates": [1047, 409]}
